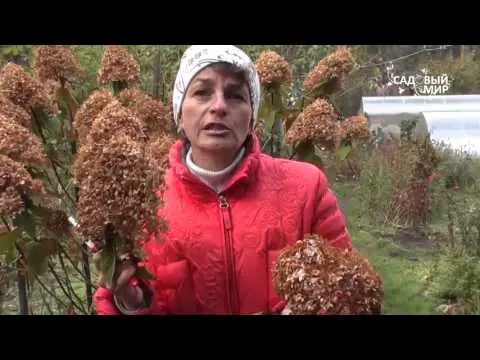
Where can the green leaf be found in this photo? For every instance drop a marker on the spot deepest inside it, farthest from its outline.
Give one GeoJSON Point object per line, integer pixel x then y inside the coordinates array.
{"type": "Point", "coordinates": [7, 241]}
{"type": "Point", "coordinates": [118, 86]}
{"type": "Point", "coordinates": [41, 212]}
{"type": "Point", "coordinates": [305, 150]}
{"type": "Point", "coordinates": [276, 99]}
{"type": "Point", "coordinates": [66, 98]}
{"type": "Point", "coordinates": [37, 258]}
{"type": "Point", "coordinates": [317, 161]}
{"type": "Point", "coordinates": [289, 121]}
{"type": "Point", "coordinates": [263, 111]}
{"type": "Point", "coordinates": [144, 274]}
{"type": "Point", "coordinates": [10, 255]}
{"type": "Point", "coordinates": [26, 222]}
{"type": "Point", "coordinates": [269, 121]}
{"type": "Point", "coordinates": [343, 152]}
{"type": "Point", "coordinates": [109, 256]}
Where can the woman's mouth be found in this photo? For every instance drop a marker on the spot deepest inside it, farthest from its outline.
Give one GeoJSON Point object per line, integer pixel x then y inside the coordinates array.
{"type": "Point", "coordinates": [216, 129]}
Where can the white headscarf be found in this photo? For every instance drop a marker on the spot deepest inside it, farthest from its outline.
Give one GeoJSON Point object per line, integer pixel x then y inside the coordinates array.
{"type": "Point", "coordinates": [198, 57]}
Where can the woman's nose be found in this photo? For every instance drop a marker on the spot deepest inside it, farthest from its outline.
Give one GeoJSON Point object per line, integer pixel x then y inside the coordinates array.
{"type": "Point", "coordinates": [219, 105]}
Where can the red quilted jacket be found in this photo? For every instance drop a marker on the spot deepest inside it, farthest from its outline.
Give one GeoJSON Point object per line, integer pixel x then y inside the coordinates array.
{"type": "Point", "coordinates": [218, 254]}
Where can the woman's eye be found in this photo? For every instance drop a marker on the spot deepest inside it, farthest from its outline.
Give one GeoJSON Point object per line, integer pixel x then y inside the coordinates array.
{"type": "Point", "coordinates": [200, 92]}
{"type": "Point", "coordinates": [238, 96]}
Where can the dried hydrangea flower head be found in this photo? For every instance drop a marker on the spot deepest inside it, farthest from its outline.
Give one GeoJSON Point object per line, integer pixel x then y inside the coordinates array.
{"type": "Point", "coordinates": [118, 64]}
{"type": "Point", "coordinates": [119, 191]}
{"type": "Point", "coordinates": [354, 128]}
{"type": "Point", "coordinates": [58, 223]}
{"type": "Point", "coordinates": [89, 110]}
{"type": "Point", "coordinates": [22, 89]}
{"type": "Point", "coordinates": [11, 203]}
{"type": "Point", "coordinates": [150, 111]}
{"type": "Point", "coordinates": [15, 112]}
{"type": "Point", "coordinates": [329, 72]}
{"type": "Point", "coordinates": [159, 148]}
{"type": "Point", "coordinates": [20, 144]}
{"type": "Point", "coordinates": [51, 88]}
{"type": "Point", "coordinates": [316, 278]}
{"type": "Point", "coordinates": [259, 128]}
{"type": "Point", "coordinates": [169, 114]}
{"type": "Point", "coordinates": [114, 119]}
{"type": "Point", "coordinates": [54, 62]}
{"type": "Point", "coordinates": [273, 70]}
{"type": "Point", "coordinates": [54, 226]}
{"type": "Point", "coordinates": [317, 123]}
{"type": "Point", "coordinates": [14, 181]}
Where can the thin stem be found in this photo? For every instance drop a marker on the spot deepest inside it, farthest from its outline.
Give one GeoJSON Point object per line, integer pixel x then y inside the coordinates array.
{"type": "Point", "coordinates": [83, 276]}
{"type": "Point", "coordinates": [88, 284]}
{"type": "Point", "coordinates": [65, 292]}
{"type": "Point", "coordinates": [44, 287]}
{"type": "Point", "coordinates": [69, 283]}
{"type": "Point", "coordinates": [45, 302]}
{"type": "Point", "coordinates": [40, 130]}
{"type": "Point", "coordinates": [38, 278]}
{"type": "Point", "coordinates": [21, 281]}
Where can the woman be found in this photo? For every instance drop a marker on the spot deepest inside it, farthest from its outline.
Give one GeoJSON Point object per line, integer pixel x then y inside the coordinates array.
{"type": "Point", "coordinates": [230, 209]}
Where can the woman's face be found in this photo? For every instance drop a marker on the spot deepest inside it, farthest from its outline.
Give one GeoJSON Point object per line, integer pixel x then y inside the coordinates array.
{"type": "Point", "coordinates": [216, 112]}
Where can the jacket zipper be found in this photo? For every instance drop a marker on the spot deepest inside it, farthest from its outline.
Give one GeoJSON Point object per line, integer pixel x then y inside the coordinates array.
{"type": "Point", "coordinates": [230, 263]}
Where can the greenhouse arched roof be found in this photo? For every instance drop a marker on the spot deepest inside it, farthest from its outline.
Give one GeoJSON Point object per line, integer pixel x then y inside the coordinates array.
{"type": "Point", "coordinates": [452, 119]}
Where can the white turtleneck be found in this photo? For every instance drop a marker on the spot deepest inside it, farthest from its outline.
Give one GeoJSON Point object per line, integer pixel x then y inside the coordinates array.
{"type": "Point", "coordinates": [214, 179]}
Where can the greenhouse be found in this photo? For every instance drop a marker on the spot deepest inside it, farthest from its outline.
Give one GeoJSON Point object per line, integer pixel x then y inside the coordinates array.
{"type": "Point", "coordinates": [451, 119]}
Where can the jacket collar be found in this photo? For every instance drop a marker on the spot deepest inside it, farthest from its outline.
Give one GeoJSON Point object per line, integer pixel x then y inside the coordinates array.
{"type": "Point", "coordinates": [241, 177]}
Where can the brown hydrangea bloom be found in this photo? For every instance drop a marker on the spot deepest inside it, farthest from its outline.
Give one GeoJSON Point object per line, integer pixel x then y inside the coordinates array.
{"type": "Point", "coordinates": [89, 110]}
{"type": "Point", "coordinates": [159, 149]}
{"type": "Point", "coordinates": [114, 119]}
{"type": "Point", "coordinates": [20, 144]}
{"type": "Point", "coordinates": [11, 203]}
{"type": "Point", "coordinates": [119, 191]}
{"type": "Point", "coordinates": [57, 222]}
{"type": "Point", "coordinates": [83, 162]}
{"type": "Point", "coordinates": [329, 71]}
{"type": "Point", "coordinates": [130, 96]}
{"type": "Point", "coordinates": [354, 128]}
{"type": "Point", "coordinates": [15, 112]}
{"type": "Point", "coordinates": [51, 88]}
{"type": "Point", "coordinates": [316, 123]}
{"type": "Point", "coordinates": [151, 112]}
{"type": "Point", "coordinates": [259, 128]}
{"type": "Point", "coordinates": [22, 89]}
{"type": "Point", "coordinates": [14, 179]}
{"type": "Point", "coordinates": [53, 62]}
{"type": "Point", "coordinates": [317, 278]}
{"type": "Point", "coordinates": [273, 69]}
{"type": "Point", "coordinates": [169, 115]}
{"type": "Point", "coordinates": [54, 225]}
{"type": "Point", "coordinates": [118, 65]}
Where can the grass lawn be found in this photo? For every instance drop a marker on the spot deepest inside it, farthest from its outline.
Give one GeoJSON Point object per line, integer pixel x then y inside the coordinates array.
{"type": "Point", "coordinates": [403, 283]}
{"type": "Point", "coordinates": [403, 270]}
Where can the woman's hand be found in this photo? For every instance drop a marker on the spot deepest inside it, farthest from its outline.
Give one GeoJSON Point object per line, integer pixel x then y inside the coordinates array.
{"type": "Point", "coordinates": [125, 287]}
{"type": "Point", "coordinates": [286, 311]}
